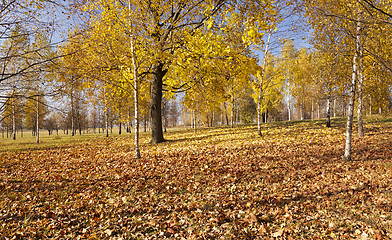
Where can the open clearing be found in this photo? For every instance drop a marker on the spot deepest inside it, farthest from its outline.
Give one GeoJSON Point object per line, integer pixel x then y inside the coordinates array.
{"type": "Point", "coordinates": [221, 183]}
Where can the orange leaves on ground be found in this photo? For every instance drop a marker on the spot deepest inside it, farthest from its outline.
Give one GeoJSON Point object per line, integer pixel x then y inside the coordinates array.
{"type": "Point", "coordinates": [292, 184]}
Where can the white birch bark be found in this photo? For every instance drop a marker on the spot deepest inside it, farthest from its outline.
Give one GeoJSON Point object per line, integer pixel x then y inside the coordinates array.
{"type": "Point", "coordinates": [37, 123]}
{"type": "Point", "coordinates": [232, 107]}
{"type": "Point", "coordinates": [360, 92]}
{"type": "Point", "coordinates": [260, 98]}
{"type": "Point", "coordinates": [312, 115]}
{"type": "Point", "coordinates": [107, 120]}
{"type": "Point", "coordinates": [72, 116]}
{"type": "Point", "coordinates": [136, 96]}
{"type": "Point", "coordinates": [13, 119]}
{"type": "Point", "coordinates": [350, 110]}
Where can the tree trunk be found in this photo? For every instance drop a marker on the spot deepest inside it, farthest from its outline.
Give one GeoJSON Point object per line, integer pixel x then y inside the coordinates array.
{"type": "Point", "coordinates": [222, 118]}
{"type": "Point", "coordinates": [370, 106]}
{"type": "Point", "coordinates": [260, 97]}
{"type": "Point", "coordinates": [194, 121]}
{"type": "Point", "coordinates": [156, 104]}
{"type": "Point", "coordinates": [136, 96]}
{"type": "Point", "coordinates": [232, 107]}
{"type": "Point", "coordinates": [328, 111]}
{"type": "Point", "coordinates": [13, 120]}
{"type": "Point", "coordinates": [99, 121]}
{"type": "Point", "coordinates": [72, 116]}
{"type": "Point", "coordinates": [164, 109]}
{"type": "Point", "coordinates": [350, 110]}
{"type": "Point", "coordinates": [79, 125]}
{"type": "Point", "coordinates": [312, 115]}
{"type": "Point", "coordinates": [266, 115]}
{"type": "Point", "coordinates": [360, 94]}
{"type": "Point", "coordinates": [145, 123]}
{"type": "Point", "coordinates": [191, 115]}
{"type": "Point", "coordinates": [119, 122]}
{"type": "Point", "coordinates": [237, 115]}
{"type": "Point", "coordinates": [212, 119]}
{"type": "Point", "coordinates": [289, 109]}
{"type": "Point", "coordinates": [37, 123]}
{"type": "Point", "coordinates": [107, 121]}
{"type": "Point", "coordinates": [334, 108]}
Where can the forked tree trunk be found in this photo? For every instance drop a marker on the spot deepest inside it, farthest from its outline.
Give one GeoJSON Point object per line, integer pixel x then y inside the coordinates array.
{"type": "Point", "coordinates": [350, 110]}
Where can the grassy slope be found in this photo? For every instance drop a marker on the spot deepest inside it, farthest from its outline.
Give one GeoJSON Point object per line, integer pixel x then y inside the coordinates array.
{"type": "Point", "coordinates": [221, 182]}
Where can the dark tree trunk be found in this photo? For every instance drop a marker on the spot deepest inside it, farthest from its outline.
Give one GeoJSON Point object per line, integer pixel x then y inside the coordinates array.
{"type": "Point", "coordinates": [328, 111]}
{"type": "Point", "coordinates": [156, 104]}
{"type": "Point", "coordinates": [145, 123]}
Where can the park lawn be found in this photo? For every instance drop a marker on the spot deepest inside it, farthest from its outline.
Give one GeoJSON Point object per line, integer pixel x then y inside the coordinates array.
{"type": "Point", "coordinates": [219, 183]}
{"type": "Point", "coordinates": [27, 141]}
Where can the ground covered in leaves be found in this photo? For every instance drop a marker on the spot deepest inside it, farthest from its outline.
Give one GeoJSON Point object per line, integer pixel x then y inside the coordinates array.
{"type": "Point", "coordinates": [221, 183]}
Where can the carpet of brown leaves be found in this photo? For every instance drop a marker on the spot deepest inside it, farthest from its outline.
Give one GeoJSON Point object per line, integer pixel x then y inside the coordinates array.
{"type": "Point", "coordinates": [219, 184]}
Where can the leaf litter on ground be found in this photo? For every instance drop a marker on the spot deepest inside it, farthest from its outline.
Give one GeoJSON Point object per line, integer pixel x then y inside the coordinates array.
{"type": "Point", "coordinates": [221, 183]}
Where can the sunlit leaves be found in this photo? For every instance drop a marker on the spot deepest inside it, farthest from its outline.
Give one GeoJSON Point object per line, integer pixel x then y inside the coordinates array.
{"type": "Point", "coordinates": [221, 183]}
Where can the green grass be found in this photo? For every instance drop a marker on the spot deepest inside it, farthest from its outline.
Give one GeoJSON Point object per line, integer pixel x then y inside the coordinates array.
{"type": "Point", "coordinates": [28, 142]}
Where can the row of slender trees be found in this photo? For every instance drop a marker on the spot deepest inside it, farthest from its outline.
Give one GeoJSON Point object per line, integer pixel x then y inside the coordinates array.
{"type": "Point", "coordinates": [131, 58]}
